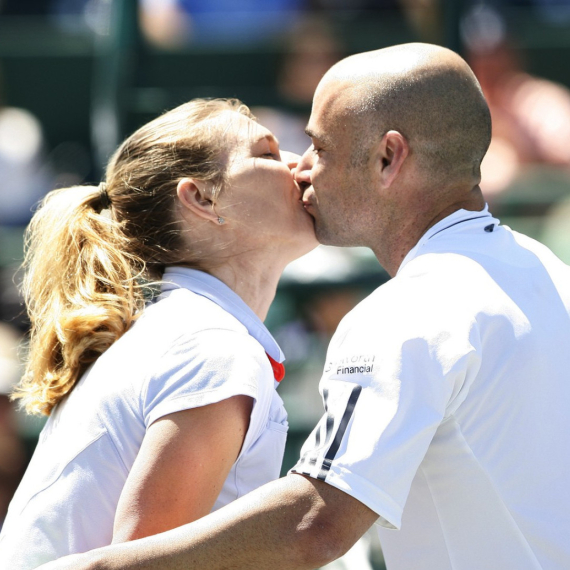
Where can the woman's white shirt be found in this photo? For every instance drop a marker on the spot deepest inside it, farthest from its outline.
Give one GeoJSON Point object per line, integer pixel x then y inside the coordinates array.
{"type": "Point", "coordinates": [197, 345]}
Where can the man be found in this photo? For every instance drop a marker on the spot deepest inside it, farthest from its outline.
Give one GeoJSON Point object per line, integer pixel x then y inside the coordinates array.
{"type": "Point", "coordinates": [446, 391]}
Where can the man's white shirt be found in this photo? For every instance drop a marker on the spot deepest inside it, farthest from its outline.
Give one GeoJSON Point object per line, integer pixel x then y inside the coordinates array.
{"type": "Point", "coordinates": [446, 397]}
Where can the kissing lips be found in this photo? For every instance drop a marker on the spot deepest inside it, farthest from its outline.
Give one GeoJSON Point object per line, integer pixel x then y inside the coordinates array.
{"type": "Point", "coordinates": [308, 199]}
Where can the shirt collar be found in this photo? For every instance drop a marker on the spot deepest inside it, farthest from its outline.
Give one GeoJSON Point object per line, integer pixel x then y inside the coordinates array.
{"type": "Point", "coordinates": [461, 219]}
{"type": "Point", "coordinates": [212, 288]}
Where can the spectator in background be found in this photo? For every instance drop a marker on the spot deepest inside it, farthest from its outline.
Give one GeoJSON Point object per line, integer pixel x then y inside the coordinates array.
{"type": "Point", "coordinates": [305, 340]}
{"type": "Point", "coordinates": [12, 451]}
{"type": "Point", "coordinates": [531, 115]}
{"type": "Point", "coordinates": [24, 177]}
{"type": "Point", "coordinates": [311, 48]}
{"type": "Point", "coordinates": [172, 24]}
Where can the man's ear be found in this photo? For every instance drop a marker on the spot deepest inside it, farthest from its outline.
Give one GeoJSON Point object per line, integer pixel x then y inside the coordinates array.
{"type": "Point", "coordinates": [194, 196]}
{"type": "Point", "coordinates": [393, 151]}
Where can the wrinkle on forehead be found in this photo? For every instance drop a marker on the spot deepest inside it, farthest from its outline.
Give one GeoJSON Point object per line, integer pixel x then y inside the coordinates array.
{"type": "Point", "coordinates": [257, 133]}
{"type": "Point", "coordinates": [236, 126]}
{"type": "Point", "coordinates": [333, 108]}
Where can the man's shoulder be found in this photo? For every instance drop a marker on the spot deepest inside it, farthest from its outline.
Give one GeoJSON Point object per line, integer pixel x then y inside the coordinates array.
{"type": "Point", "coordinates": [424, 277]}
{"type": "Point", "coordinates": [430, 294]}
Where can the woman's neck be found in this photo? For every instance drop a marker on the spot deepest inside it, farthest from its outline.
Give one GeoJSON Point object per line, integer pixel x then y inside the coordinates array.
{"type": "Point", "coordinates": [253, 277]}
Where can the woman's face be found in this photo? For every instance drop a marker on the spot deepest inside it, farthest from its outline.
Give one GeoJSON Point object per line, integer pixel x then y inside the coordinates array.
{"type": "Point", "coordinates": [261, 198]}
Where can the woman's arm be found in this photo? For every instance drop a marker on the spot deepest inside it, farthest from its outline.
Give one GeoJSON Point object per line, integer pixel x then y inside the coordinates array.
{"type": "Point", "coordinates": [183, 462]}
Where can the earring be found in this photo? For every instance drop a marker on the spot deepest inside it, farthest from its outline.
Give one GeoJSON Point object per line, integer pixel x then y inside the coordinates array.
{"type": "Point", "coordinates": [221, 220]}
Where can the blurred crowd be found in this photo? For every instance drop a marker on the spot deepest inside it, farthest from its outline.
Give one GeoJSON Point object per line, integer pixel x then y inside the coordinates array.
{"type": "Point", "coordinates": [526, 174]}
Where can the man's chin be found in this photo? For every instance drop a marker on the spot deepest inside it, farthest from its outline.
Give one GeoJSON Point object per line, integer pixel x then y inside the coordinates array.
{"type": "Point", "coordinates": [327, 236]}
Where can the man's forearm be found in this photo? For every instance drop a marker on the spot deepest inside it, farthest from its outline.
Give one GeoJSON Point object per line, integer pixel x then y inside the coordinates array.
{"type": "Point", "coordinates": [292, 523]}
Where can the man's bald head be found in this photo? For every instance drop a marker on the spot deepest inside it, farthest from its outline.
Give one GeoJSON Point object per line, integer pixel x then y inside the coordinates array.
{"type": "Point", "coordinates": [428, 94]}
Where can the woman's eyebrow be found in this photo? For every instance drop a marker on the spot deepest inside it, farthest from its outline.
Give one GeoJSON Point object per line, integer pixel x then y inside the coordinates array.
{"type": "Point", "coordinates": [270, 137]}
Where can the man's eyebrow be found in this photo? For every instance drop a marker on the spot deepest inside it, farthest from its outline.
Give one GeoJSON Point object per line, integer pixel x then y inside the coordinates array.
{"type": "Point", "coordinates": [310, 133]}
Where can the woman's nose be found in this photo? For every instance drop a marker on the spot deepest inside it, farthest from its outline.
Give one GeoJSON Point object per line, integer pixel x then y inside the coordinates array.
{"type": "Point", "coordinates": [291, 159]}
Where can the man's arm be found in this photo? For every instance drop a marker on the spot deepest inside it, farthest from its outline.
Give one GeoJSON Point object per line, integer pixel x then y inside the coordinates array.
{"type": "Point", "coordinates": [292, 523]}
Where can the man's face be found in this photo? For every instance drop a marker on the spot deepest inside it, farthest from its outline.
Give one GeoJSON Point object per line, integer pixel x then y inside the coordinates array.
{"type": "Point", "coordinates": [336, 186]}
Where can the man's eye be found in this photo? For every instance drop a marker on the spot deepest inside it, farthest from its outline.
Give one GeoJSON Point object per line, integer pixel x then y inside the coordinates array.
{"type": "Point", "coordinates": [271, 155]}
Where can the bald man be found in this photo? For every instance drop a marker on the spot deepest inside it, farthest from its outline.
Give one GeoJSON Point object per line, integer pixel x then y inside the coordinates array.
{"type": "Point", "coordinates": [446, 392]}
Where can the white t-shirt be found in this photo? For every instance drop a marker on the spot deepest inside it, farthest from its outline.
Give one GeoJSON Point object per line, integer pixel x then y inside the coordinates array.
{"type": "Point", "coordinates": [447, 397]}
{"type": "Point", "coordinates": [197, 345]}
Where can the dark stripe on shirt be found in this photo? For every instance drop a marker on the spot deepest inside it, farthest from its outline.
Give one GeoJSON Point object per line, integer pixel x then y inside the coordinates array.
{"type": "Point", "coordinates": [331, 453]}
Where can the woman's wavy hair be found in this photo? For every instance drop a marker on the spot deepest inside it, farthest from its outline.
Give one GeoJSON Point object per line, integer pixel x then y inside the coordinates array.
{"type": "Point", "coordinates": [87, 268]}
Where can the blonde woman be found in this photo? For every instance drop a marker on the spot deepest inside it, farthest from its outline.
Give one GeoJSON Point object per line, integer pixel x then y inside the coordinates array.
{"type": "Point", "coordinates": [161, 413]}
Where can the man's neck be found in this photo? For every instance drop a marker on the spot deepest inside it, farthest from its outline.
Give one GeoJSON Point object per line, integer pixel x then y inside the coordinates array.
{"type": "Point", "coordinates": [398, 244]}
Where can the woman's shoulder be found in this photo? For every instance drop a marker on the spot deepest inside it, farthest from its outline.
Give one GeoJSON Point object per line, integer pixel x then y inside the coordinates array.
{"type": "Point", "coordinates": [186, 329]}
{"type": "Point", "coordinates": [182, 311]}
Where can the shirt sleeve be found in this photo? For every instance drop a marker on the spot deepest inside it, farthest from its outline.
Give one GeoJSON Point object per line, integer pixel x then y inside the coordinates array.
{"type": "Point", "coordinates": [205, 368]}
{"type": "Point", "coordinates": [385, 391]}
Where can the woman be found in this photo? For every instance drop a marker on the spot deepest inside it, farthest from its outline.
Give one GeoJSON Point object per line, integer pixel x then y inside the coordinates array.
{"type": "Point", "coordinates": [156, 416]}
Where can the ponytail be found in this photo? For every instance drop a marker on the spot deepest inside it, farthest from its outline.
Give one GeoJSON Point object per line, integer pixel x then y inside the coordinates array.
{"type": "Point", "coordinates": [81, 290]}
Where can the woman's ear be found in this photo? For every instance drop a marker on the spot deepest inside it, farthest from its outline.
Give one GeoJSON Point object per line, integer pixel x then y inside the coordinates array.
{"type": "Point", "coordinates": [393, 150]}
{"type": "Point", "coordinates": [194, 195]}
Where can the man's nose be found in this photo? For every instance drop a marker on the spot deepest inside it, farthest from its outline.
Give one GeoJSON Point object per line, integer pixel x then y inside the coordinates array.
{"type": "Point", "coordinates": [303, 171]}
